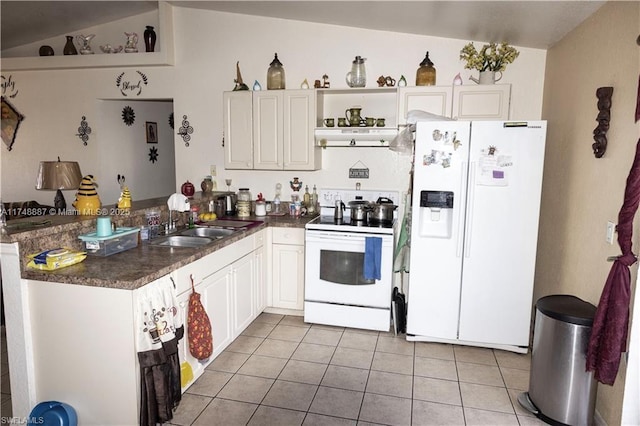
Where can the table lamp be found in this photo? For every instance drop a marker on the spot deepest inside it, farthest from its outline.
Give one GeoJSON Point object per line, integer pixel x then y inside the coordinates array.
{"type": "Point", "coordinates": [59, 175]}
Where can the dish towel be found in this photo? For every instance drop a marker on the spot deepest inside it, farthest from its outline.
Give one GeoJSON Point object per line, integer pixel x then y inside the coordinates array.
{"type": "Point", "coordinates": [608, 338]}
{"type": "Point", "coordinates": [372, 258]}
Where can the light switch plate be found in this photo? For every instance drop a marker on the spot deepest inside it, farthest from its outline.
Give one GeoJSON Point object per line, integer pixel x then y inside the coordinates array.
{"type": "Point", "coordinates": [611, 230]}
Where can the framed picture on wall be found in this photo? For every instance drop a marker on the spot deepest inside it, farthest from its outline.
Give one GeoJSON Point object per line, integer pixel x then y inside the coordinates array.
{"type": "Point", "coordinates": [151, 129]}
{"type": "Point", "coordinates": [11, 120]}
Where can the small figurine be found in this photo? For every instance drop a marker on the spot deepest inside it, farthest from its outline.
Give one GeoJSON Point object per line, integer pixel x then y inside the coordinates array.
{"type": "Point", "coordinates": [305, 84]}
{"type": "Point", "coordinates": [87, 200]}
{"type": "Point", "coordinates": [238, 80]}
{"type": "Point", "coordinates": [381, 81]}
{"type": "Point", "coordinates": [402, 82]}
{"type": "Point", "coordinates": [124, 202]}
{"type": "Point", "coordinates": [325, 82]}
{"type": "Point", "coordinates": [457, 81]}
{"type": "Point", "coordinates": [317, 84]}
{"type": "Point", "coordinates": [132, 43]}
{"type": "Point", "coordinates": [256, 86]}
{"type": "Point", "coordinates": [295, 184]}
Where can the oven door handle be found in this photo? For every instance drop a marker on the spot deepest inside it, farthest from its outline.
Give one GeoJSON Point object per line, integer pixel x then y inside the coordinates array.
{"type": "Point", "coordinates": [325, 236]}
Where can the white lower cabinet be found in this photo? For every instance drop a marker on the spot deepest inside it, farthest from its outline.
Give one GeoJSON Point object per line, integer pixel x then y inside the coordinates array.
{"type": "Point", "coordinates": [243, 289]}
{"type": "Point", "coordinates": [288, 268]}
{"type": "Point", "coordinates": [228, 294]}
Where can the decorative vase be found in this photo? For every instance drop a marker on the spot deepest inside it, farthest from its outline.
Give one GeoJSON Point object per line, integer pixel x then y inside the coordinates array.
{"type": "Point", "coordinates": [149, 39]}
{"type": "Point", "coordinates": [69, 48]}
{"type": "Point", "coordinates": [487, 77]}
{"type": "Point", "coordinates": [83, 42]}
{"type": "Point", "coordinates": [207, 184]}
{"type": "Point", "coordinates": [132, 43]}
{"type": "Point", "coordinates": [45, 51]}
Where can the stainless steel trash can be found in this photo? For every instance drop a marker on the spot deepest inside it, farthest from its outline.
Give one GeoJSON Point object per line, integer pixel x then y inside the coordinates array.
{"type": "Point", "coordinates": [560, 389]}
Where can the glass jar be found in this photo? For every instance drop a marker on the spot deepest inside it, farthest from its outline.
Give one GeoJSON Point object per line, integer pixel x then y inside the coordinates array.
{"type": "Point", "coordinates": [275, 75]}
{"type": "Point", "coordinates": [244, 194]}
{"type": "Point", "coordinates": [426, 74]}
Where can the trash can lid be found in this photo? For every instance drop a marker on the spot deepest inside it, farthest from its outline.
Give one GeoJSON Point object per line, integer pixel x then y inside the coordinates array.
{"type": "Point", "coordinates": [567, 308]}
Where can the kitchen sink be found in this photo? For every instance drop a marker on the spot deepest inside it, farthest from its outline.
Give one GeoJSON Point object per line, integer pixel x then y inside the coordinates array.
{"type": "Point", "coordinates": [207, 232]}
{"type": "Point", "coordinates": [225, 223]}
{"type": "Point", "coordinates": [181, 241]}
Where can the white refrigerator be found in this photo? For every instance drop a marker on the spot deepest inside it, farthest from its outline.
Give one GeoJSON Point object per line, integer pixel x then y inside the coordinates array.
{"type": "Point", "coordinates": [474, 231]}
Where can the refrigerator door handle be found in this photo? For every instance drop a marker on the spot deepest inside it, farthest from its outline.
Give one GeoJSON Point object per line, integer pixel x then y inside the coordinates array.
{"type": "Point", "coordinates": [470, 204]}
{"type": "Point", "coordinates": [460, 207]}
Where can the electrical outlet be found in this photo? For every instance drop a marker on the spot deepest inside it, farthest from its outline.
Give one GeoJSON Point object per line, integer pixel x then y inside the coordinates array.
{"type": "Point", "coordinates": [213, 170]}
{"type": "Point", "coordinates": [611, 229]}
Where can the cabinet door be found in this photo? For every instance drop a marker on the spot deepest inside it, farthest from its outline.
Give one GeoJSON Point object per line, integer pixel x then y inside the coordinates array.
{"type": "Point", "coordinates": [183, 345]}
{"type": "Point", "coordinates": [238, 136]}
{"type": "Point", "coordinates": [260, 281]}
{"type": "Point", "coordinates": [215, 293]}
{"type": "Point", "coordinates": [433, 99]}
{"type": "Point", "coordinates": [243, 278]}
{"type": "Point", "coordinates": [288, 276]}
{"type": "Point", "coordinates": [267, 130]}
{"type": "Point", "coordinates": [481, 102]}
{"type": "Point", "coordinates": [300, 151]}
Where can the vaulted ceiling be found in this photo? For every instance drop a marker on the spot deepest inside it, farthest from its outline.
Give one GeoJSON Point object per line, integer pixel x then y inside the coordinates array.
{"type": "Point", "coordinates": [537, 24]}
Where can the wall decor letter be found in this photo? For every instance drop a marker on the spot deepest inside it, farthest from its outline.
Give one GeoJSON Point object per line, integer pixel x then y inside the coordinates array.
{"type": "Point", "coordinates": [131, 86]}
{"type": "Point", "coordinates": [604, 116]}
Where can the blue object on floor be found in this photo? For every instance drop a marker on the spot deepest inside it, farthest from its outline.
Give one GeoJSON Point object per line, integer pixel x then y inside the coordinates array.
{"type": "Point", "coordinates": [53, 413]}
{"type": "Point", "coordinates": [372, 258]}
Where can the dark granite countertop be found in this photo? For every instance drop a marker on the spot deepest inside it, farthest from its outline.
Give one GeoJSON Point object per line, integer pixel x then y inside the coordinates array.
{"type": "Point", "coordinates": [127, 270]}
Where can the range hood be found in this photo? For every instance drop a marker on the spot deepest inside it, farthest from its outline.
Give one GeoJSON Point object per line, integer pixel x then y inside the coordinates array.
{"type": "Point", "coordinates": [355, 136]}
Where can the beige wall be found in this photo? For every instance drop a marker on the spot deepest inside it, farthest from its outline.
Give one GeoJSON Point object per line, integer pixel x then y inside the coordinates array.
{"type": "Point", "coordinates": [581, 193]}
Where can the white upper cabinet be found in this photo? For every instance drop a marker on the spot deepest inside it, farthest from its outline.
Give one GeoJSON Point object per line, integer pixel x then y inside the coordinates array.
{"type": "Point", "coordinates": [433, 99]}
{"type": "Point", "coordinates": [300, 152]}
{"type": "Point", "coordinates": [270, 130]}
{"type": "Point", "coordinates": [481, 102]}
{"type": "Point", "coordinates": [238, 130]}
{"type": "Point", "coordinates": [267, 130]}
{"type": "Point", "coordinates": [467, 102]}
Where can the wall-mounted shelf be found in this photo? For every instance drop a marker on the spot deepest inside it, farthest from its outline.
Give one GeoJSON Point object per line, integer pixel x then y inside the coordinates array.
{"type": "Point", "coordinates": [103, 60]}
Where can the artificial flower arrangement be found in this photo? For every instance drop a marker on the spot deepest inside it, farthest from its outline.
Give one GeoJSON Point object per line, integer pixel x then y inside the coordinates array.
{"type": "Point", "coordinates": [492, 57]}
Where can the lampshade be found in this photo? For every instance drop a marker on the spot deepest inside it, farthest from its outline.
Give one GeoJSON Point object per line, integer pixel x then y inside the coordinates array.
{"type": "Point", "coordinates": [58, 175]}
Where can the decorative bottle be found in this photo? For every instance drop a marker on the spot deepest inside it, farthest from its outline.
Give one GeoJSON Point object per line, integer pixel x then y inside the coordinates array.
{"type": "Point", "coordinates": [69, 48]}
{"type": "Point", "coordinates": [426, 74]}
{"type": "Point", "coordinates": [306, 198]}
{"type": "Point", "coordinates": [149, 39]}
{"type": "Point", "coordinates": [275, 75]}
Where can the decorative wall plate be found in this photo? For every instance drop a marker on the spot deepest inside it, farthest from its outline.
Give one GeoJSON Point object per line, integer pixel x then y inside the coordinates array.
{"type": "Point", "coordinates": [84, 130]}
{"type": "Point", "coordinates": [11, 120]}
{"type": "Point", "coordinates": [153, 154]}
{"type": "Point", "coordinates": [128, 115]}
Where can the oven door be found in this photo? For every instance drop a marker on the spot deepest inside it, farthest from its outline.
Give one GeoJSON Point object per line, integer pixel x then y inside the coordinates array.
{"type": "Point", "coordinates": [334, 269]}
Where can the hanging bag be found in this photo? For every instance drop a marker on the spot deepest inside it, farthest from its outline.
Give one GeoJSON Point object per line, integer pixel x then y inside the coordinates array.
{"type": "Point", "coordinates": [198, 327]}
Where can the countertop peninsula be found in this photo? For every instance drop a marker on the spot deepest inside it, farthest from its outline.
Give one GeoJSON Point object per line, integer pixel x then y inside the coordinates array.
{"type": "Point", "coordinates": [126, 270]}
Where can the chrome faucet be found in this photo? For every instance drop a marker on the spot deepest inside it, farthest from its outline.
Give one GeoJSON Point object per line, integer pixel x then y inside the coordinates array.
{"type": "Point", "coordinates": [176, 202]}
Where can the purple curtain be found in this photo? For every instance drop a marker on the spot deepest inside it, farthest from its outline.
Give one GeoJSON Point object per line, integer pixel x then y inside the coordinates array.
{"type": "Point", "coordinates": [609, 334]}
{"type": "Point", "coordinates": [638, 101]}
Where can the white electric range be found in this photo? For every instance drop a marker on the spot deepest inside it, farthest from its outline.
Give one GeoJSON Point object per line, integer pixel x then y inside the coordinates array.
{"type": "Point", "coordinates": [339, 289]}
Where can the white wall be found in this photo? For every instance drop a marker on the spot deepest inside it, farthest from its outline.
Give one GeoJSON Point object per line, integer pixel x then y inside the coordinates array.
{"type": "Point", "coordinates": [125, 150]}
{"type": "Point", "coordinates": [207, 46]}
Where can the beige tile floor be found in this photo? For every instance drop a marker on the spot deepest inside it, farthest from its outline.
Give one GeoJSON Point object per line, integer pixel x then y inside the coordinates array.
{"type": "Point", "coordinates": [281, 371]}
